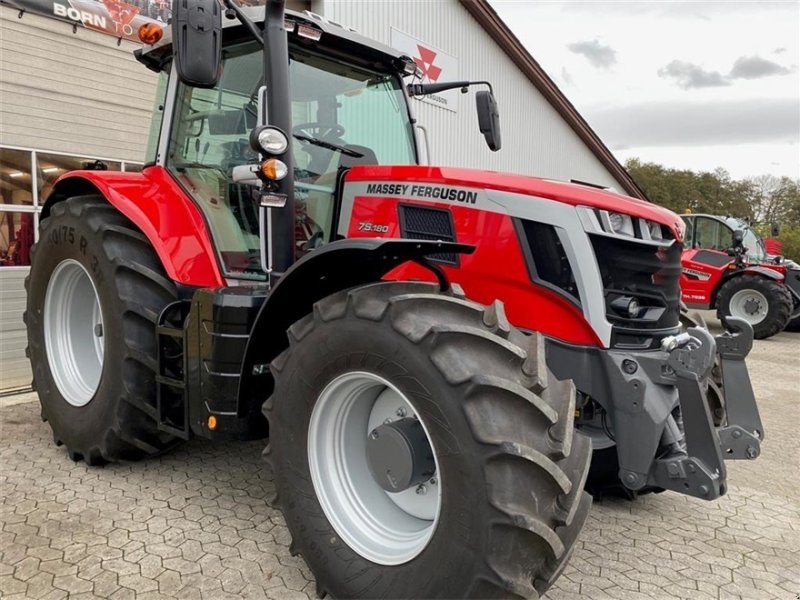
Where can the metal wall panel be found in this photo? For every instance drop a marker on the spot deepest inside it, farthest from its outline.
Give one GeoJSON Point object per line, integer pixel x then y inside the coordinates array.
{"type": "Point", "coordinates": [78, 92]}
{"type": "Point", "coordinates": [536, 140]}
{"type": "Point", "coordinates": [15, 371]}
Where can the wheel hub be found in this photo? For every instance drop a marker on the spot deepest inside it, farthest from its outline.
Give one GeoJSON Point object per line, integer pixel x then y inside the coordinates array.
{"type": "Point", "coordinates": [752, 306]}
{"type": "Point", "coordinates": [380, 494]}
{"type": "Point", "coordinates": [399, 455]}
{"type": "Point", "coordinates": [749, 304]}
{"type": "Point", "coordinates": [73, 332]}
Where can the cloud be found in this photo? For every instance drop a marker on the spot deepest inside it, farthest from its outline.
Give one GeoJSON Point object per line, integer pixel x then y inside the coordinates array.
{"type": "Point", "coordinates": [565, 76]}
{"type": "Point", "coordinates": [780, 50]}
{"type": "Point", "coordinates": [697, 123]}
{"type": "Point", "coordinates": [755, 67]}
{"type": "Point", "coordinates": [690, 75]}
{"type": "Point", "coordinates": [599, 55]}
{"type": "Point", "coordinates": [677, 8]}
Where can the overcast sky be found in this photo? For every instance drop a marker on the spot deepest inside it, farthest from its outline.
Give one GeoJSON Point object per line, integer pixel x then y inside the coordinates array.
{"type": "Point", "coordinates": [687, 84]}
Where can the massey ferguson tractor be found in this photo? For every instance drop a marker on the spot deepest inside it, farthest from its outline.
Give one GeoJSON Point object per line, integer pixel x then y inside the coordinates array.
{"type": "Point", "coordinates": [431, 352]}
{"type": "Point", "coordinates": [726, 267]}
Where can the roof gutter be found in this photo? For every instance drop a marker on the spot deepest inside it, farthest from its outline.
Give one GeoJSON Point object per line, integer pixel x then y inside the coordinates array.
{"type": "Point", "coordinates": [510, 44]}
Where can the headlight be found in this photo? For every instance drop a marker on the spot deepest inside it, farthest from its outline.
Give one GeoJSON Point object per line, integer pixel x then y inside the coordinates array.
{"type": "Point", "coordinates": [655, 231]}
{"type": "Point", "coordinates": [269, 140]}
{"type": "Point", "coordinates": [621, 224]}
{"type": "Point", "coordinates": [626, 306]}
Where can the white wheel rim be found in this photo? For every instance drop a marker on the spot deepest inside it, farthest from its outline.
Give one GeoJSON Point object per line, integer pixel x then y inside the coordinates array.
{"type": "Point", "coordinates": [383, 527]}
{"type": "Point", "coordinates": [750, 305]}
{"type": "Point", "coordinates": [73, 332]}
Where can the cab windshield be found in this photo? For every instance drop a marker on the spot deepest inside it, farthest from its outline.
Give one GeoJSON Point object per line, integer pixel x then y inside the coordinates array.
{"type": "Point", "coordinates": [756, 251]}
{"type": "Point", "coordinates": [342, 115]}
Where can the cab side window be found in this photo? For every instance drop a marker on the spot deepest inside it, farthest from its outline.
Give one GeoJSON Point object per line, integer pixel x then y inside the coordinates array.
{"type": "Point", "coordinates": [711, 234]}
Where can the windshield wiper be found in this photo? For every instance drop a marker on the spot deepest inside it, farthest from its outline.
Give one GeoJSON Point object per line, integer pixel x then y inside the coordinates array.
{"type": "Point", "coordinates": [328, 145]}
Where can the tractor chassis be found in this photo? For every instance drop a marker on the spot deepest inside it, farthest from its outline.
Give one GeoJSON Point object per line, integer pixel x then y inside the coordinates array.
{"type": "Point", "coordinates": [640, 391]}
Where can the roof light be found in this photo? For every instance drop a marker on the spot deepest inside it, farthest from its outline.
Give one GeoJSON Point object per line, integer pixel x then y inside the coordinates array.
{"type": "Point", "coordinates": [16, 174]}
{"type": "Point", "coordinates": [50, 169]}
{"type": "Point", "coordinates": [306, 31]}
{"type": "Point", "coordinates": [150, 33]}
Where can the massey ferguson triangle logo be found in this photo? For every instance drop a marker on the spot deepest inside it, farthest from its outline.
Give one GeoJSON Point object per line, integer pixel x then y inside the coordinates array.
{"type": "Point", "coordinates": [425, 62]}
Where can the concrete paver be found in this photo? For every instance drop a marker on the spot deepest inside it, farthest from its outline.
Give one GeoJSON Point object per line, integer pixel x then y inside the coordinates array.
{"type": "Point", "coordinates": [195, 523]}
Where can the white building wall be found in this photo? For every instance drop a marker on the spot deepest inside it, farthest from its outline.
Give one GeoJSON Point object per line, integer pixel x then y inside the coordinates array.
{"type": "Point", "coordinates": [536, 140]}
{"type": "Point", "coordinates": [77, 93]}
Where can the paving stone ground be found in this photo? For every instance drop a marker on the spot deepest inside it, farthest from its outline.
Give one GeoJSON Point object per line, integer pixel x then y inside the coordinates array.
{"type": "Point", "coordinates": [195, 523]}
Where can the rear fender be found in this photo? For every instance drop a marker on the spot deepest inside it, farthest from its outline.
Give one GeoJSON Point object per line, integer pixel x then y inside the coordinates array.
{"type": "Point", "coordinates": [155, 203]}
{"type": "Point", "coordinates": [337, 266]}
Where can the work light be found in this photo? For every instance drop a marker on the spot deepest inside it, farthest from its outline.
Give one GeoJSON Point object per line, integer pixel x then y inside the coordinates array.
{"type": "Point", "coordinates": [269, 140]}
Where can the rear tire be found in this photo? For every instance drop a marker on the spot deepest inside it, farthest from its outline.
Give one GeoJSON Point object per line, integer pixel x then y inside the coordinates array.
{"type": "Point", "coordinates": [764, 303]}
{"type": "Point", "coordinates": [110, 417]}
{"type": "Point", "coordinates": [511, 467]}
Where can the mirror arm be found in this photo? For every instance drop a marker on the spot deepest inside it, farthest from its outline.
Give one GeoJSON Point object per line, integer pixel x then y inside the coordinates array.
{"type": "Point", "coordinates": [245, 20]}
{"type": "Point", "coordinates": [423, 89]}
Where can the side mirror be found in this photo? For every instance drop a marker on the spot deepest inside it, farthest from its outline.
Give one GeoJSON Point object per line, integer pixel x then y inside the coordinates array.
{"type": "Point", "coordinates": [489, 119]}
{"type": "Point", "coordinates": [738, 237]}
{"type": "Point", "coordinates": [197, 41]}
{"type": "Point", "coordinates": [774, 230]}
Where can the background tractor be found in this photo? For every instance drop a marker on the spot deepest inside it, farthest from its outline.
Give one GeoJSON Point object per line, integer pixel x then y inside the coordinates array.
{"type": "Point", "coordinates": [726, 267]}
{"type": "Point", "coordinates": [431, 352]}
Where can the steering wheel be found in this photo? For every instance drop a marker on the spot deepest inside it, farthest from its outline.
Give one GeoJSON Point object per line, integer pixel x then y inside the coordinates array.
{"type": "Point", "coordinates": [319, 130]}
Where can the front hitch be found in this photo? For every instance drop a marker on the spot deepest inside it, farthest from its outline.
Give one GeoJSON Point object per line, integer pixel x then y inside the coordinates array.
{"type": "Point", "coordinates": [700, 470]}
{"type": "Point", "coordinates": [741, 437]}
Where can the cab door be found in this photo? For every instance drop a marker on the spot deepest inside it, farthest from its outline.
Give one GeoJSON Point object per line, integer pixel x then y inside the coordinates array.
{"type": "Point", "coordinates": [705, 261]}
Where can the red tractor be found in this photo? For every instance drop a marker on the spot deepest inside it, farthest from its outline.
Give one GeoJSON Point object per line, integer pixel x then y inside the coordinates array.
{"type": "Point", "coordinates": [726, 267]}
{"type": "Point", "coordinates": [432, 352]}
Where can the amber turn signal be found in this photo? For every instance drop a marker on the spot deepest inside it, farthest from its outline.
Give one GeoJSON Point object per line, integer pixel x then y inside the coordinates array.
{"type": "Point", "coordinates": [150, 33]}
{"type": "Point", "coordinates": [274, 169]}
{"type": "Point", "coordinates": [212, 422]}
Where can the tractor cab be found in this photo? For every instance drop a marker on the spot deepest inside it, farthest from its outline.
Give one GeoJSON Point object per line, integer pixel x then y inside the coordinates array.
{"type": "Point", "coordinates": [345, 112]}
{"type": "Point", "coordinates": [710, 232]}
{"type": "Point", "coordinates": [347, 106]}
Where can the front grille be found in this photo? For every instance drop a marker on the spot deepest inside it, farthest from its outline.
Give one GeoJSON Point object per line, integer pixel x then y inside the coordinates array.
{"type": "Point", "coordinates": [432, 224]}
{"type": "Point", "coordinates": [646, 272]}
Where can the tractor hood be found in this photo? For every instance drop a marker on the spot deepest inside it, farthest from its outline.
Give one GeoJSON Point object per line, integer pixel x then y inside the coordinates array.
{"type": "Point", "coordinates": [463, 187]}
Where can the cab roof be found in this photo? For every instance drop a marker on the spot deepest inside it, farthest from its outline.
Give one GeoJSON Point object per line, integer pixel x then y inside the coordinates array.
{"type": "Point", "coordinates": [336, 41]}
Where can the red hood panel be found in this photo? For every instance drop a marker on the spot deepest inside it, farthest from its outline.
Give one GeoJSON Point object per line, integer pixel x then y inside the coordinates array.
{"type": "Point", "coordinates": [568, 193]}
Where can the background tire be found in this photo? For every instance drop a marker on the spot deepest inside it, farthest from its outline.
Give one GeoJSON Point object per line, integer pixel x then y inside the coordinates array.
{"type": "Point", "coordinates": [512, 469]}
{"type": "Point", "coordinates": [117, 421]}
{"type": "Point", "coordinates": [778, 297]}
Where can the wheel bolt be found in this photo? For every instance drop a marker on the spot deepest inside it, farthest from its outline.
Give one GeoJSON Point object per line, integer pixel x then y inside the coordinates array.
{"type": "Point", "coordinates": [421, 489]}
{"type": "Point", "coordinates": [433, 481]}
{"type": "Point", "coordinates": [374, 434]}
{"type": "Point", "coordinates": [401, 412]}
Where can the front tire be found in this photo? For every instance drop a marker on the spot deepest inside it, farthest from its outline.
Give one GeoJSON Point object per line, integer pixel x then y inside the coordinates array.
{"type": "Point", "coordinates": [764, 303]}
{"type": "Point", "coordinates": [95, 290]}
{"type": "Point", "coordinates": [509, 468]}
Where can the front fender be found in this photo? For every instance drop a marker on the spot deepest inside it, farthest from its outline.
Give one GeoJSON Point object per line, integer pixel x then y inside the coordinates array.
{"type": "Point", "coordinates": [157, 205]}
{"type": "Point", "coordinates": [337, 266]}
{"type": "Point", "coordinates": [764, 272]}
